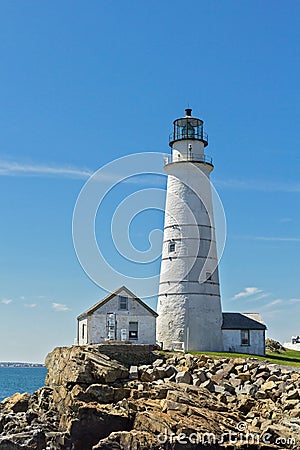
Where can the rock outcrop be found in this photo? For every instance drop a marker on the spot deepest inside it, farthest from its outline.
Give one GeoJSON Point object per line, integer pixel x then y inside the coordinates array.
{"type": "Point", "coordinates": [274, 346]}
{"type": "Point", "coordinates": [177, 401]}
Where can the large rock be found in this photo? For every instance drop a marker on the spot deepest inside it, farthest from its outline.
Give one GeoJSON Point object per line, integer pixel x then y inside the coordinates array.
{"type": "Point", "coordinates": [268, 386]}
{"type": "Point", "coordinates": [184, 377]}
{"type": "Point", "coordinates": [37, 441]}
{"type": "Point", "coordinates": [101, 393]}
{"type": "Point", "coordinates": [128, 440]}
{"type": "Point", "coordinates": [7, 444]}
{"type": "Point", "coordinates": [274, 346]}
{"type": "Point", "coordinates": [148, 375]}
{"type": "Point", "coordinates": [16, 403]}
{"type": "Point", "coordinates": [95, 423]}
{"type": "Point", "coordinates": [223, 373]}
{"type": "Point", "coordinates": [82, 365]}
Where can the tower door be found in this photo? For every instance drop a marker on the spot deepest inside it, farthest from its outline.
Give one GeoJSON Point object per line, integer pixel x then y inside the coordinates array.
{"type": "Point", "coordinates": [111, 326]}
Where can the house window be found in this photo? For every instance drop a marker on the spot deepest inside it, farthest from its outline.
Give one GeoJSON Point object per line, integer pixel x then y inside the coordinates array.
{"type": "Point", "coordinates": [245, 337]}
{"type": "Point", "coordinates": [83, 331]}
{"type": "Point", "coordinates": [133, 330]}
{"type": "Point", "coordinates": [123, 302]}
{"type": "Point", "coordinates": [172, 247]}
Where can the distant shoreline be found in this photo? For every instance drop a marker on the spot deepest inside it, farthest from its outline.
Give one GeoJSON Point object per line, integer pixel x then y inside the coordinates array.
{"type": "Point", "coordinates": [21, 364]}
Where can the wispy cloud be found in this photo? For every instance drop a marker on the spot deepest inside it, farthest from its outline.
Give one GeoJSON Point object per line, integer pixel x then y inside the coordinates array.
{"type": "Point", "coordinates": [267, 238]}
{"type": "Point", "coordinates": [60, 307]}
{"type": "Point", "coordinates": [277, 238]}
{"type": "Point", "coordinates": [10, 168]}
{"type": "Point", "coordinates": [247, 292]}
{"type": "Point", "coordinates": [273, 303]}
{"type": "Point", "coordinates": [285, 303]}
{"type": "Point", "coordinates": [30, 305]}
{"type": "Point", "coordinates": [262, 296]}
{"type": "Point", "coordinates": [17, 169]}
{"type": "Point", "coordinates": [294, 300]}
{"type": "Point", "coordinates": [258, 185]}
{"type": "Point", "coordinates": [6, 301]}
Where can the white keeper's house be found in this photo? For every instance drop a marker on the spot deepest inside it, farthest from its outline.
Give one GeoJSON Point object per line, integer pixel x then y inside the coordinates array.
{"type": "Point", "coordinates": [120, 316]}
{"type": "Point", "coordinates": [189, 311]}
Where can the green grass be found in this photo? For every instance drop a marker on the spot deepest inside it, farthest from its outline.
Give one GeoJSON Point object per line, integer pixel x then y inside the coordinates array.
{"type": "Point", "coordinates": [287, 358]}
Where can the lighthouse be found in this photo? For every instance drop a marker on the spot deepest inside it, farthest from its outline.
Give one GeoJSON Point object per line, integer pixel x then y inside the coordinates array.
{"type": "Point", "coordinates": [189, 304]}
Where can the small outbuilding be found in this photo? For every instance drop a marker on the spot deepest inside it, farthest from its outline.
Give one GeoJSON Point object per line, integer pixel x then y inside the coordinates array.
{"type": "Point", "coordinates": [120, 316]}
{"type": "Point", "coordinates": [244, 333]}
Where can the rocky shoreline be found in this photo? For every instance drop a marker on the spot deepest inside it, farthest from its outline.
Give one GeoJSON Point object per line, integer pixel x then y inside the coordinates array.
{"type": "Point", "coordinates": [127, 397]}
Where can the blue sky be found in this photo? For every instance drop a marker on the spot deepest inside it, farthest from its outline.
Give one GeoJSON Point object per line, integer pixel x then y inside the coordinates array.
{"type": "Point", "coordinates": [82, 84]}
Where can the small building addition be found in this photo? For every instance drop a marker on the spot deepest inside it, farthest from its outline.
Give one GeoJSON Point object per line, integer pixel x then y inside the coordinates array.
{"type": "Point", "coordinates": [120, 316]}
{"type": "Point", "coordinates": [244, 333]}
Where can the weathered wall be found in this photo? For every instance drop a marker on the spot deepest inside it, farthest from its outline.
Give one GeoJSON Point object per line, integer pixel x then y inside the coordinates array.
{"type": "Point", "coordinates": [232, 342]}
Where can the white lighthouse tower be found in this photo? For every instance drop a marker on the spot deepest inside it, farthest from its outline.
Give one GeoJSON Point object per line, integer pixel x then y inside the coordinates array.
{"type": "Point", "coordinates": [189, 306]}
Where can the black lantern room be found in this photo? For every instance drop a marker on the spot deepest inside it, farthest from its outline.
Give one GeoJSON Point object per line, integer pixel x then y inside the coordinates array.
{"type": "Point", "coordinates": [188, 127]}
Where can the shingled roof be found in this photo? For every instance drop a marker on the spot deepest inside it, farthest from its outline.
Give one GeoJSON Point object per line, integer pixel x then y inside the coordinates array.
{"type": "Point", "coordinates": [110, 296]}
{"type": "Point", "coordinates": [243, 321]}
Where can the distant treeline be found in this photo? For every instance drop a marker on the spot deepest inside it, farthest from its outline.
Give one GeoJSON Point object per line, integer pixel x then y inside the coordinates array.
{"type": "Point", "coordinates": [20, 364]}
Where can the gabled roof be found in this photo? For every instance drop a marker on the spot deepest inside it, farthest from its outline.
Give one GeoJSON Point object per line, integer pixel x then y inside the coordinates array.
{"type": "Point", "coordinates": [243, 321]}
{"type": "Point", "coordinates": [110, 296]}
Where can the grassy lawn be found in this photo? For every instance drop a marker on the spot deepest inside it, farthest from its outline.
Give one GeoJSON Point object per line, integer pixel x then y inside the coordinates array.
{"type": "Point", "coordinates": [287, 358]}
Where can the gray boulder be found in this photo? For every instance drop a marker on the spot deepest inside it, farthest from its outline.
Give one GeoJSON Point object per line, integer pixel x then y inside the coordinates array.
{"type": "Point", "coordinates": [184, 377]}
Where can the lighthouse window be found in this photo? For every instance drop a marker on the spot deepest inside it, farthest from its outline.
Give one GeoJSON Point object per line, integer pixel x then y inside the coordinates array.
{"type": "Point", "coordinates": [172, 247]}
{"type": "Point", "coordinates": [245, 337]}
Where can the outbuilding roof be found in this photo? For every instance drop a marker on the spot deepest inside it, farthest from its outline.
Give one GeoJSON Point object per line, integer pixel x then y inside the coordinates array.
{"type": "Point", "coordinates": [110, 296]}
{"type": "Point", "coordinates": [243, 321]}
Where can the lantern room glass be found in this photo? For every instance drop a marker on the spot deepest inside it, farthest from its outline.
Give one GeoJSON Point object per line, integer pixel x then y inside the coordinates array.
{"type": "Point", "coordinates": [188, 128]}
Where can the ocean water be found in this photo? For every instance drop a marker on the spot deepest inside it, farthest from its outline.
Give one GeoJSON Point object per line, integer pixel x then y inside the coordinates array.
{"type": "Point", "coordinates": [21, 379]}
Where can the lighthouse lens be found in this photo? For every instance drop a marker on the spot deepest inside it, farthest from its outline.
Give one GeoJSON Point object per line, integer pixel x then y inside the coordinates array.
{"type": "Point", "coordinates": [188, 129]}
